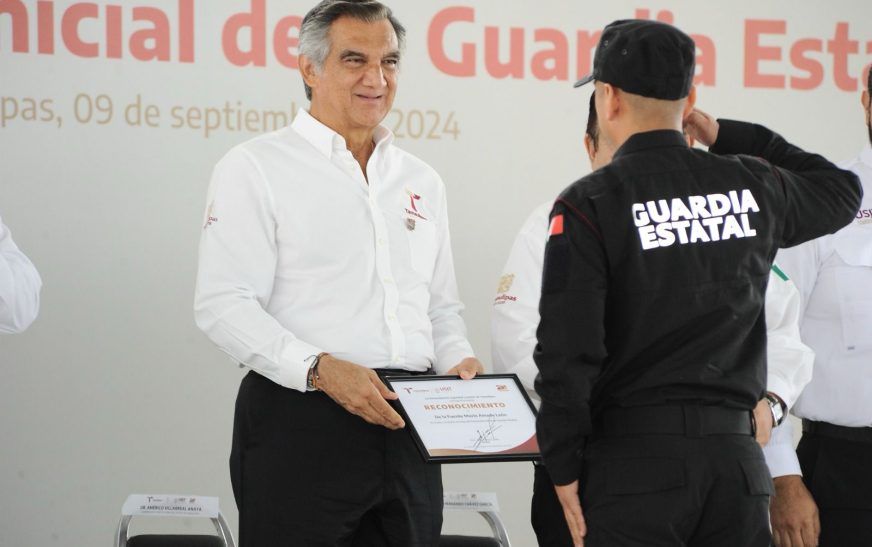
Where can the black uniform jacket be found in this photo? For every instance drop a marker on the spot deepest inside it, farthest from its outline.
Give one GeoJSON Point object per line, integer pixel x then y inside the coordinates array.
{"type": "Point", "coordinates": [655, 274]}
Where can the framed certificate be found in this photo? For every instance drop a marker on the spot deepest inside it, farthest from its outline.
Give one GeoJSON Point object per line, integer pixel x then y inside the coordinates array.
{"type": "Point", "coordinates": [488, 418]}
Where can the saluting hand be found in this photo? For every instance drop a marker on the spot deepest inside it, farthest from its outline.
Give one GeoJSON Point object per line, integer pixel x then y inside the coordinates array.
{"type": "Point", "coordinates": [701, 127]}
{"type": "Point", "coordinates": [358, 390]}
{"type": "Point", "coordinates": [568, 496]}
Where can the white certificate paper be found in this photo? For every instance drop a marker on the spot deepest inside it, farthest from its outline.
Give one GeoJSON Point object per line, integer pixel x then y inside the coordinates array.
{"type": "Point", "coordinates": [488, 418]}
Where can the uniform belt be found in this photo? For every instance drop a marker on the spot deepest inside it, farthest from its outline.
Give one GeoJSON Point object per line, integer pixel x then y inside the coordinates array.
{"type": "Point", "coordinates": [687, 420]}
{"type": "Point", "coordinates": [833, 431]}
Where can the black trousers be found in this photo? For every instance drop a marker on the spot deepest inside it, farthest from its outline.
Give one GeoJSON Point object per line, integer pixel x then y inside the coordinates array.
{"type": "Point", "coordinates": [306, 472]}
{"type": "Point", "coordinates": [546, 514]}
{"type": "Point", "coordinates": [838, 473]}
{"type": "Point", "coordinates": [691, 480]}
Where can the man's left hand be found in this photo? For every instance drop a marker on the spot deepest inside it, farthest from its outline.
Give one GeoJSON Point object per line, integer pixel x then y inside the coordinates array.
{"type": "Point", "coordinates": [794, 514]}
{"type": "Point", "coordinates": [467, 368]}
{"type": "Point", "coordinates": [763, 421]}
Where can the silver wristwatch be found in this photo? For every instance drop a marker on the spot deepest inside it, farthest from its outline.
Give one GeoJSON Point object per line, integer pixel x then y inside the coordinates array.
{"type": "Point", "coordinates": [312, 376]}
{"type": "Point", "coordinates": [776, 409]}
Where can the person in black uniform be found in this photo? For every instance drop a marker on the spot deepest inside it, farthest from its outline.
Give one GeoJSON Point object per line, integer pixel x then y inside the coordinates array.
{"type": "Point", "coordinates": [652, 338]}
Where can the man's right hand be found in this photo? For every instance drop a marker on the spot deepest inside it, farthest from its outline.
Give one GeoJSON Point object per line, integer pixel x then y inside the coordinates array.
{"type": "Point", "coordinates": [701, 127]}
{"type": "Point", "coordinates": [358, 390]}
{"type": "Point", "coordinates": [794, 514]}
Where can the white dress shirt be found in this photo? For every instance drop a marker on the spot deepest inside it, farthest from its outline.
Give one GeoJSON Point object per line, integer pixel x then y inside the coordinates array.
{"type": "Point", "coordinates": [19, 286]}
{"type": "Point", "coordinates": [834, 277]}
{"type": "Point", "coordinates": [516, 316]}
{"type": "Point", "coordinates": [300, 255]}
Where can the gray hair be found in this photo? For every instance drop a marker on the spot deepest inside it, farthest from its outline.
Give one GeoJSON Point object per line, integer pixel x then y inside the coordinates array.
{"type": "Point", "coordinates": [315, 30]}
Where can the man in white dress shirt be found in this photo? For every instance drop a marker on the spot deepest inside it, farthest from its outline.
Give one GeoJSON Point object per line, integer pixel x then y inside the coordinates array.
{"type": "Point", "coordinates": [325, 259]}
{"type": "Point", "coordinates": [834, 277]}
{"type": "Point", "coordinates": [19, 286]}
{"type": "Point", "coordinates": [516, 316]}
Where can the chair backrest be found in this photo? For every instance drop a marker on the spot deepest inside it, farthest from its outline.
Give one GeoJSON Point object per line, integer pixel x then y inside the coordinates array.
{"type": "Point", "coordinates": [173, 506]}
{"type": "Point", "coordinates": [468, 541]}
{"type": "Point", "coordinates": [486, 505]}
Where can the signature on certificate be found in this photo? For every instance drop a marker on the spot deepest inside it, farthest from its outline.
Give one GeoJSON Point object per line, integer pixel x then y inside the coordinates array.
{"type": "Point", "coordinates": [486, 436]}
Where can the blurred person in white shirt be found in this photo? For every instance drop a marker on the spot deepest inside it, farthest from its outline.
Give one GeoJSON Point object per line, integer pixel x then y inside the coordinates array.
{"type": "Point", "coordinates": [19, 286]}
{"type": "Point", "coordinates": [831, 469]}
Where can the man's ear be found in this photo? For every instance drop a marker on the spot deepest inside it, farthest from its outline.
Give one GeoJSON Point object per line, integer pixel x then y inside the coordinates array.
{"type": "Point", "coordinates": [612, 102]}
{"type": "Point", "coordinates": [588, 145]}
{"type": "Point", "coordinates": [308, 71]}
{"type": "Point", "coordinates": [864, 100]}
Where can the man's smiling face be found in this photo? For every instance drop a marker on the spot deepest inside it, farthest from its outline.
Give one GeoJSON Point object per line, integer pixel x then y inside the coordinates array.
{"type": "Point", "coordinates": [355, 88]}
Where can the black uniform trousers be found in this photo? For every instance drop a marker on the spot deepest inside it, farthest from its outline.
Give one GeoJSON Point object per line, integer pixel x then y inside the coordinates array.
{"type": "Point", "coordinates": [687, 476]}
{"type": "Point", "coordinates": [837, 469]}
{"type": "Point", "coordinates": [306, 472]}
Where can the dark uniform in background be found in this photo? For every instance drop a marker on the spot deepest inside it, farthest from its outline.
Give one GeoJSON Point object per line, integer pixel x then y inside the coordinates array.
{"type": "Point", "coordinates": [652, 335]}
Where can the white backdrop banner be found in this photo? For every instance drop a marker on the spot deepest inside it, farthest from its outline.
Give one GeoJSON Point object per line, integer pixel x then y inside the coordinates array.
{"type": "Point", "coordinates": [113, 113]}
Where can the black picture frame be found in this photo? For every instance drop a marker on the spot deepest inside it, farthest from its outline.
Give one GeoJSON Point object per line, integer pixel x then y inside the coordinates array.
{"type": "Point", "coordinates": [390, 380]}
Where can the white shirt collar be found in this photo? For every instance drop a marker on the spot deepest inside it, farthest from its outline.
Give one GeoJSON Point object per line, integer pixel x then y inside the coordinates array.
{"type": "Point", "coordinates": [327, 141]}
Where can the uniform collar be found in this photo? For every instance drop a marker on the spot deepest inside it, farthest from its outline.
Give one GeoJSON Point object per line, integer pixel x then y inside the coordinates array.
{"type": "Point", "coordinates": [660, 138]}
{"type": "Point", "coordinates": [327, 141]}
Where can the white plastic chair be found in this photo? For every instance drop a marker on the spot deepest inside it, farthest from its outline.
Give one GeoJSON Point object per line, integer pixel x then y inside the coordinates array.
{"type": "Point", "coordinates": [173, 506]}
{"type": "Point", "coordinates": [483, 503]}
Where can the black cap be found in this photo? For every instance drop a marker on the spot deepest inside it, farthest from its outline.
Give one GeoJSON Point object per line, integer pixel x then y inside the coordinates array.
{"type": "Point", "coordinates": [645, 58]}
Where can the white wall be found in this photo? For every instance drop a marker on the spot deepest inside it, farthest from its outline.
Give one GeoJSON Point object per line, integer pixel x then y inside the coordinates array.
{"type": "Point", "coordinates": [113, 390]}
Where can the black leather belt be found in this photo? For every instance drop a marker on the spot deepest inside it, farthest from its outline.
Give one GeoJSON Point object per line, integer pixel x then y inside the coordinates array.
{"type": "Point", "coordinates": [687, 420]}
{"type": "Point", "coordinates": [824, 429]}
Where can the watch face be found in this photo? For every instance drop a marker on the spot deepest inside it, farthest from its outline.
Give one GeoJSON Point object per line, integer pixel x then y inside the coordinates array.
{"type": "Point", "coordinates": [777, 411]}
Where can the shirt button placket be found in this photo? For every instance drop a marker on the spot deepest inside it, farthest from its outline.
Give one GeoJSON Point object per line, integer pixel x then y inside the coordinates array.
{"type": "Point", "coordinates": [385, 274]}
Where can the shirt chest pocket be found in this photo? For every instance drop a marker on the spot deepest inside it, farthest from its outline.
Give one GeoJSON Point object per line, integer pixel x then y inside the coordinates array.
{"type": "Point", "coordinates": [854, 285]}
{"type": "Point", "coordinates": [421, 236]}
